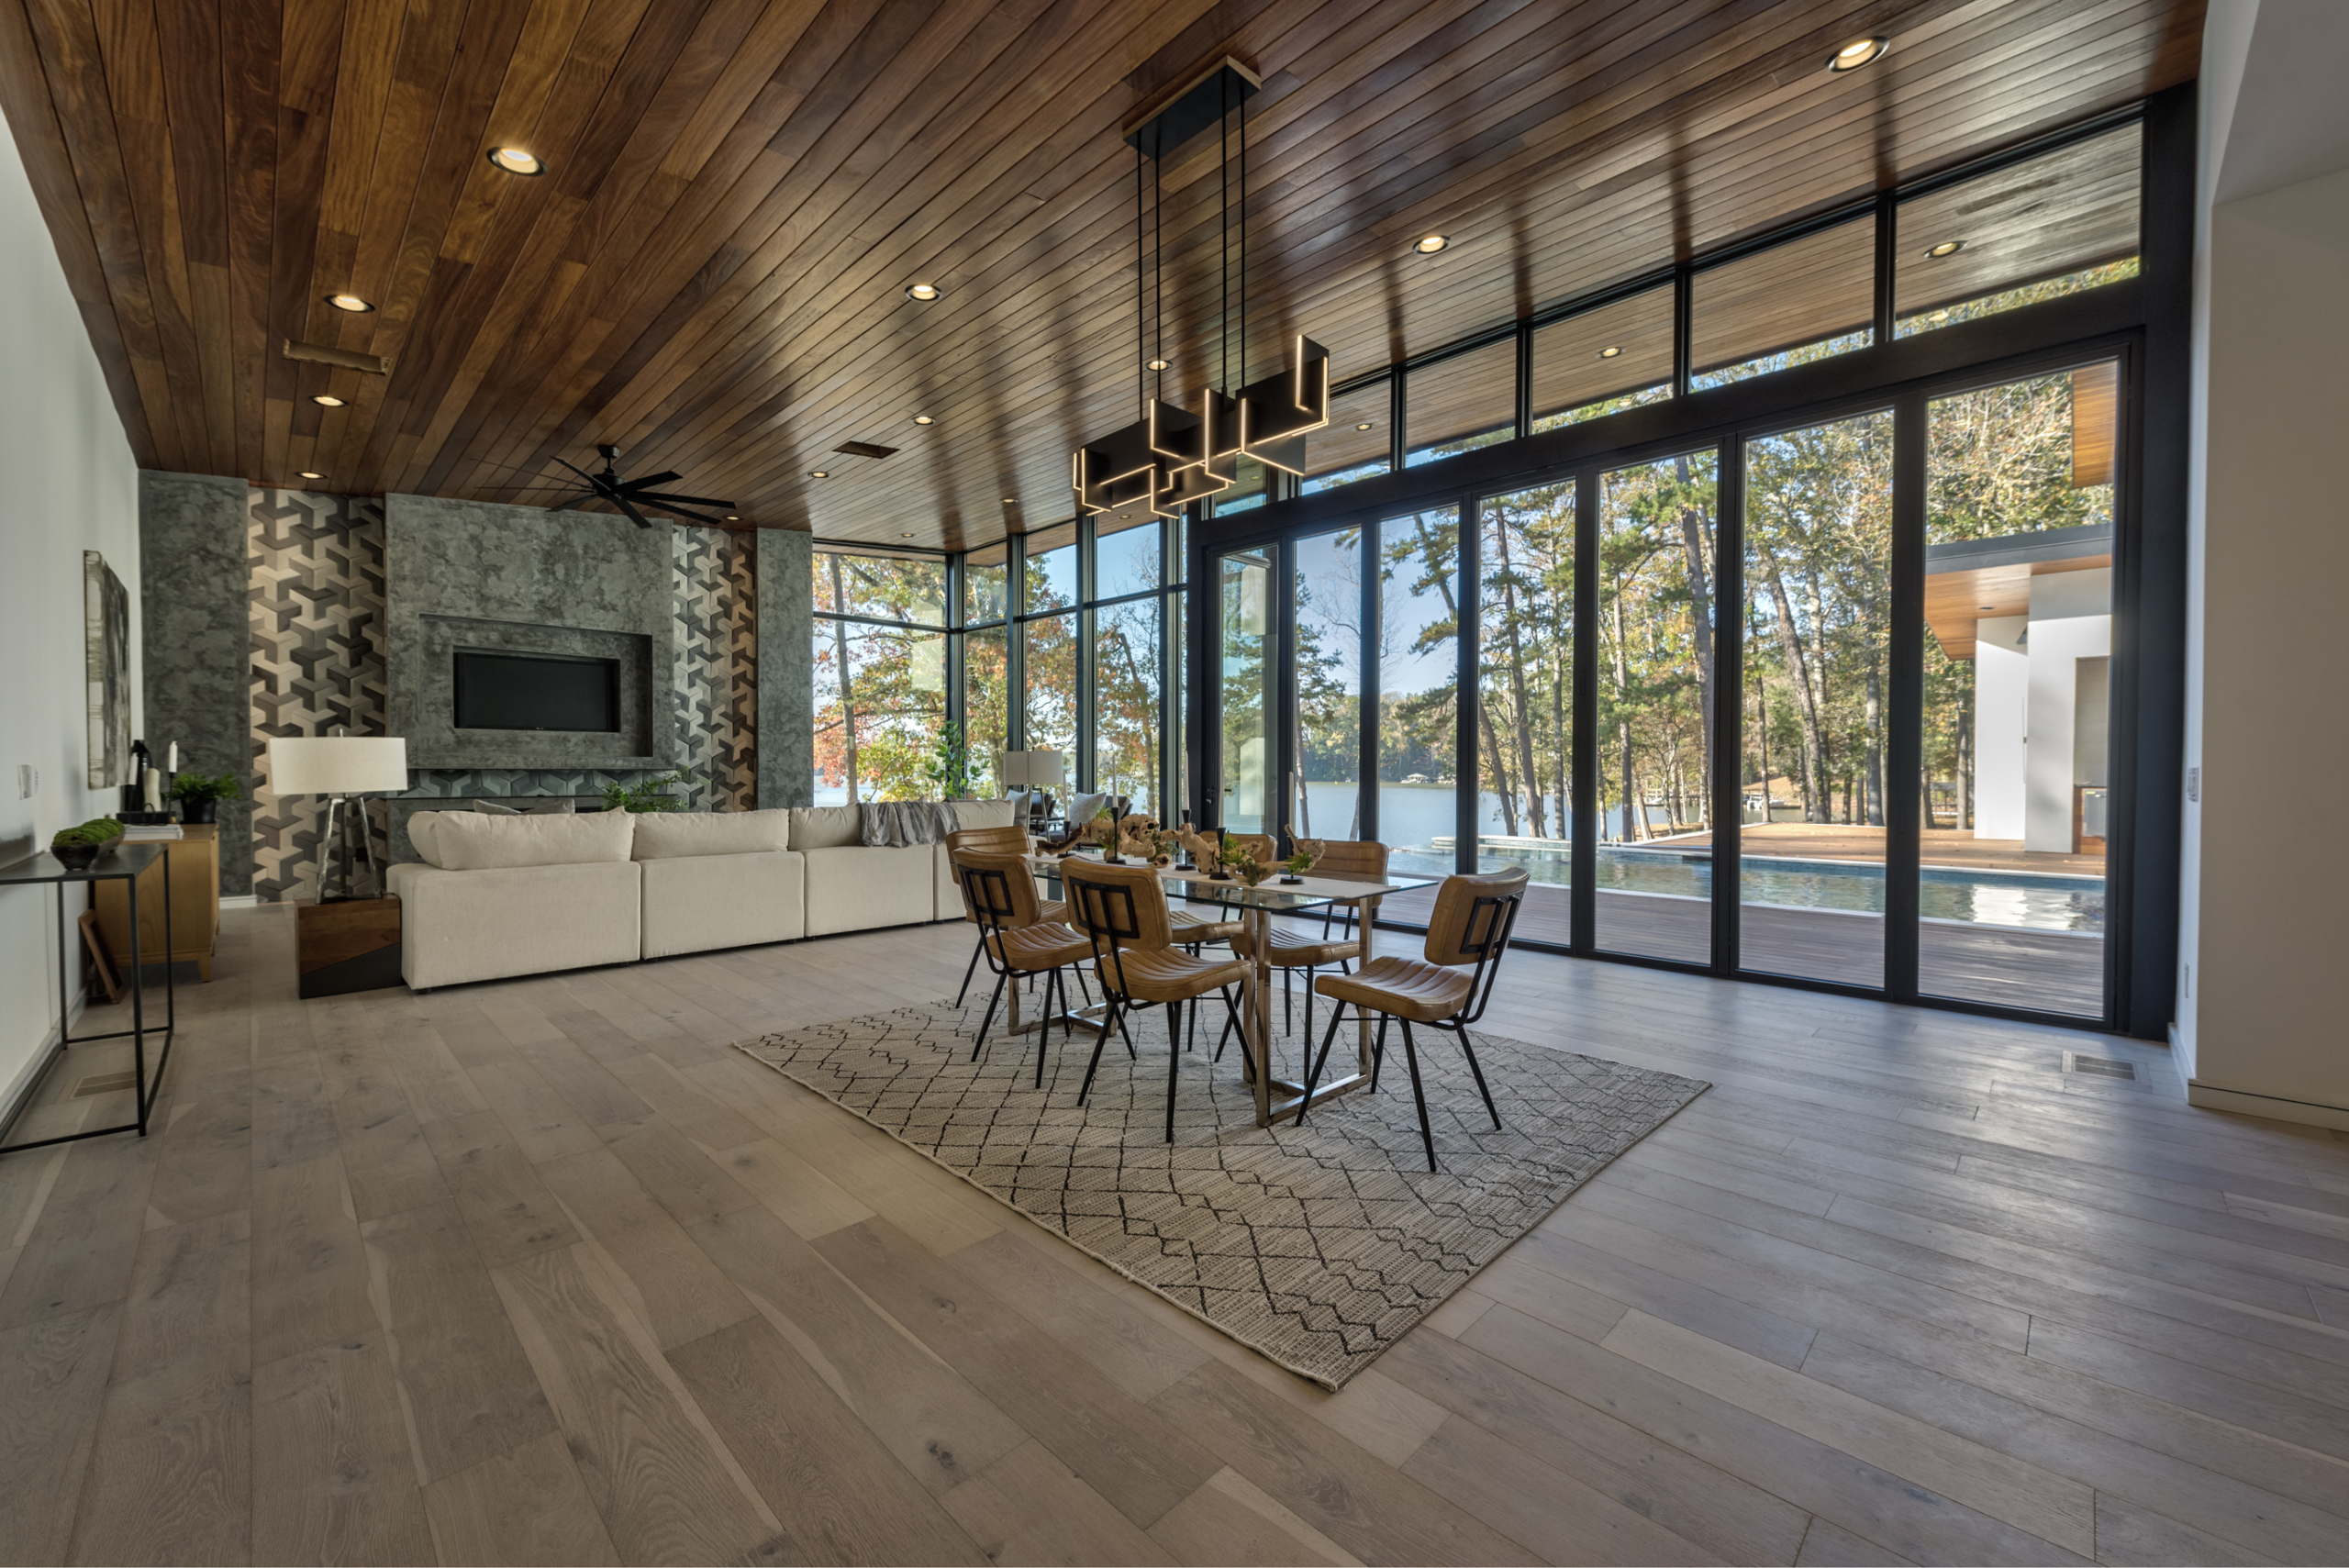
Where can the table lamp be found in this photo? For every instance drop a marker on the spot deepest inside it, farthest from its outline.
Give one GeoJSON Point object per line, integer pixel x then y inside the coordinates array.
{"type": "Point", "coordinates": [338, 767]}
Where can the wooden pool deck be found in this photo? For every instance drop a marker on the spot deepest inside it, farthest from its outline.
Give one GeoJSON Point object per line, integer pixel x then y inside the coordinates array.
{"type": "Point", "coordinates": [1942, 847]}
{"type": "Point", "coordinates": [2055, 971]}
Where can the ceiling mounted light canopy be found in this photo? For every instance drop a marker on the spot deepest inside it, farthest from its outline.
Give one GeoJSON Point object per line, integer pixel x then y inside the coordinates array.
{"type": "Point", "coordinates": [923, 292]}
{"type": "Point", "coordinates": [924, 419]}
{"type": "Point", "coordinates": [1173, 456]}
{"type": "Point", "coordinates": [1946, 248]}
{"type": "Point", "coordinates": [1856, 53]}
{"type": "Point", "coordinates": [349, 302]}
{"type": "Point", "coordinates": [326, 400]}
{"type": "Point", "coordinates": [517, 161]}
{"type": "Point", "coordinates": [1429, 244]}
{"type": "Point", "coordinates": [1363, 426]}
{"type": "Point", "coordinates": [305, 473]}
{"type": "Point", "coordinates": [818, 473]}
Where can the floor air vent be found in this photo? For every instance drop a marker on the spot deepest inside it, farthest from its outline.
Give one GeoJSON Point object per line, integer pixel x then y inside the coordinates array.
{"type": "Point", "coordinates": [2098, 1066]}
{"type": "Point", "coordinates": [102, 1083]}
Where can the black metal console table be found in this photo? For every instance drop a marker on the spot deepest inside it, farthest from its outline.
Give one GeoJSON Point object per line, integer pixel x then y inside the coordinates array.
{"type": "Point", "coordinates": [125, 863]}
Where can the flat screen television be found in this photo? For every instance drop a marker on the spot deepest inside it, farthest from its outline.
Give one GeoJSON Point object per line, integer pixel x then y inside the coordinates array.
{"type": "Point", "coordinates": [537, 691]}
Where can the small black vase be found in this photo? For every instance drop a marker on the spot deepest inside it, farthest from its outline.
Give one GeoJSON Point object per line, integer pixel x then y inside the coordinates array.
{"type": "Point", "coordinates": [199, 811]}
{"type": "Point", "coordinates": [75, 857]}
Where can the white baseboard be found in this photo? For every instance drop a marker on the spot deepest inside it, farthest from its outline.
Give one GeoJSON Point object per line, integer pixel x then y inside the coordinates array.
{"type": "Point", "coordinates": [2307, 1112]}
{"type": "Point", "coordinates": [239, 900]}
{"type": "Point", "coordinates": [13, 1099]}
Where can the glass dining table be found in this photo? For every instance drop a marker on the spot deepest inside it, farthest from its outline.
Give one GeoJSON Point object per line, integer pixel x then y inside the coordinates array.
{"type": "Point", "coordinates": [1224, 899]}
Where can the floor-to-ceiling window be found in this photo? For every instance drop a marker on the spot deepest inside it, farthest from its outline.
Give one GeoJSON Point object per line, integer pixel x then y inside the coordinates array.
{"type": "Point", "coordinates": [1329, 672]}
{"type": "Point", "coordinates": [1525, 555]}
{"type": "Point", "coordinates": [880, 674]}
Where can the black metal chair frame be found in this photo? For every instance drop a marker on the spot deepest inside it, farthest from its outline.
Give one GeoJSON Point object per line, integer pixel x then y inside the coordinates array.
{"type": "Point", "coordinates": [1111, 933]}
{"type": "Point", "coordinates": [989, 891]}
{"type": "Point", "coordinates": [1496, 921]}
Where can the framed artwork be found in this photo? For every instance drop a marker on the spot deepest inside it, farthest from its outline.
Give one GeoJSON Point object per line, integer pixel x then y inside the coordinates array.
{"type": "Point", "coordinates": [106, 608]}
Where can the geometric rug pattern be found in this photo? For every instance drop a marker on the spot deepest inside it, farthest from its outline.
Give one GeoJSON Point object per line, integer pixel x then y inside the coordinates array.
{"type": "Point", "coordinates": [1319, 1247]}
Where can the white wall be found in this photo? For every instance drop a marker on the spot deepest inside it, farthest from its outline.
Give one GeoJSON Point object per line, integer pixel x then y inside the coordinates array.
{"type": "Point", "coordinates": [2263, 923]}
{"type": "Point", "coordinates": [72, 485]}
{"type": "Point", "coordinates": [2001, 692]}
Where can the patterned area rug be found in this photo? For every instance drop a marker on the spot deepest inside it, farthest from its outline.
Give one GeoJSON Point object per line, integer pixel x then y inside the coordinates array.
{"type": "Point", "coordinates": [1319, 1247]}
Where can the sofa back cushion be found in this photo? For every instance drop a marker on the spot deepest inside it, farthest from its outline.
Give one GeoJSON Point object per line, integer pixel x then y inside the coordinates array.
{"type": "Point", "coordinates": [826, 826]}
{"type": "Point", "coordinates": [986, 814]}
{"type": "Point", "coordinates": [662, 836]}
{"type": "Point", "coordinates": [463, 841]}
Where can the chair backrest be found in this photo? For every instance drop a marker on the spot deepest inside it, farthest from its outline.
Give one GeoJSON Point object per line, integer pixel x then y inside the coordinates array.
{"type": "Point", "coordinates": [1473, 915]}
{"type": "Point", "coordinates": [1351, 860]}
{"type": "Point", "coordinates": [1009, 840]}
{"type": "Point", "coordinates": [998, 890]}
{"type": "Point", "coordinates": [1120, 907]}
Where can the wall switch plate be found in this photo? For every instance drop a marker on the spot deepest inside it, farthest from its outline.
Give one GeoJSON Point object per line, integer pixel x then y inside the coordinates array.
{"type": "Point", "coordinates": [28, 781]}
{"type": "Point", "coordinates": [2194, 785]}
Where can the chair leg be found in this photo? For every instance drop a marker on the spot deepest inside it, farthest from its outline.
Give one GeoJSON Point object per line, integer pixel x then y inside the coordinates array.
{"type": "Point", "coordinates": [1377, 1052]}
{"type": "Point", "coordinates": [1120, 1013]}
{"type": "Point", "coordinates": [1313, 1074]}
{"type": "Point", "coordinates": [1082, 988]}
{"type": "Point", "coordinates": [1097, 1044]}
{"type": "Point", "coordinates": [971, 968]}
{"type": "Point", "coordinates": [1309, 972]}
{"type": "Point", "coordinates": [1230, 1022]}
{"type": "Point", "coordinates": [1173, 1060]}
{"type": "Point", "coordinates": [1411, 1057]}
{"type": "Point", "coordinates": [993, 1001]}
{"type": "Point", "coordinates": [1044, 1025]}
{"type": "Point", "coordinates": [1286, 1024]}
{"type": "Point", "coordinates": [1470, 1052]}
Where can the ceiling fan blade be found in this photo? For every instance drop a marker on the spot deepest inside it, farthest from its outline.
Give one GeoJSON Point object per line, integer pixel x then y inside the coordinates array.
{"type": "Point", "coordinates": [581, 473]}
{"type": "Point", "coordinates": [578, 498]}
{"type": "Point", "coordinates": [676, 511]}
{"type": "Point", "coordinates": [662, 478]}
{"type": "Point", "coordinates": [668, 500]}
{"type": "Point", "coordinates": [641, 520]}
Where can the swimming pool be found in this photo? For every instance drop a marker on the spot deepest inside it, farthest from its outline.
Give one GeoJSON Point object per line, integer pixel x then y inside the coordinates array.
{"type": "Point", "coordinates": [2031, 900]}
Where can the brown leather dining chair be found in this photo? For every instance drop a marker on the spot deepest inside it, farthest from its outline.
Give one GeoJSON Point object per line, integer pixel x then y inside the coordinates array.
{"type": "Point", "coordinates": [1446, 990]}
{"type": "Point", "coordinates": [1015, 939]}
{"type": "Point", "coordinates": [992, 841]}
{"type": "Point", "coordinates": [1122, 910]}
{"type": "Point", "coordinates": [1342, 860]}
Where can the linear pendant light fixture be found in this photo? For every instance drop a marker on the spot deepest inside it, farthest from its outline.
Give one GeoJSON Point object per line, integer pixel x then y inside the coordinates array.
{"type": "Point", "coordinates": [1172, 456]}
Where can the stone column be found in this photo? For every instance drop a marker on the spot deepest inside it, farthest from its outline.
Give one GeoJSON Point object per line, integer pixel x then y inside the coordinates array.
{"type": "Point", "coordinates": [786, 669]}
{"type": "Point", "coordinates": [195, 604]}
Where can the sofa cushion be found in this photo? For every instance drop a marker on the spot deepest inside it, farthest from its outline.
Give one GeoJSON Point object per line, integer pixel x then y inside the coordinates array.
{"type": "Point", "coordinates": [464, 841]}
{"type": "Point", "coordinates": [420, 834]}
{"type": "Point", "coordinates": [661, 835]}
{"type": "Point", "coordinates": [556, 805]}
{"type": "Point", "coordinates": [485, 925]}
{"type": "Point", "coordinates": [856, 889]}
{"type": "Point", "coordinates": [698, 903]}
{"type": "Point", "coordinates": [825, 826]}
{"type": "Point", "coordinates": [984, 814]}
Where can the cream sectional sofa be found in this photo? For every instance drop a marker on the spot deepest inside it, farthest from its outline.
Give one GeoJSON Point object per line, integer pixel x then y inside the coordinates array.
{"type": "Point", "coordinates": [496, 896]}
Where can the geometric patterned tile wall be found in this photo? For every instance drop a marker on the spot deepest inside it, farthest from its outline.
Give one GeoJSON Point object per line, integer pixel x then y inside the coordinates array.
{"type": "Point", "coordinates": [319, 599]}
{"type": "Point", "coordinates": [316, 616]}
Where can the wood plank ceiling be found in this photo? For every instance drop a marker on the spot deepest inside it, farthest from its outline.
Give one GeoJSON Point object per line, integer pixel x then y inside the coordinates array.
{"type": "Point", "coordinates": [710, 273]}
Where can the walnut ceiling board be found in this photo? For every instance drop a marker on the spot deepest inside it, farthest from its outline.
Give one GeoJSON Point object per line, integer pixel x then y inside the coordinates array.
{"type": "Point", "coordinates": [711, 270]}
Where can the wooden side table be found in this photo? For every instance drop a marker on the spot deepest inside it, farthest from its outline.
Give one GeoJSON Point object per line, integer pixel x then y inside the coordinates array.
{"type": "Point", "coordinates": [350, 944]}
{"type": "Point", "coordinates": [194, 862]}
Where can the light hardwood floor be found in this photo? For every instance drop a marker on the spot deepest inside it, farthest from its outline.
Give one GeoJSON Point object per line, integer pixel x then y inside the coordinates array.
{"type": "Point", "coordinates": [540, 1271]}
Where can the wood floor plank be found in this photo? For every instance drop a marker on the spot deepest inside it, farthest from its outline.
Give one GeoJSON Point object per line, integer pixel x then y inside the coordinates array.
{"type": "Point", "coordinates": [1124, 1449]}
{"type": "Point", "coordinates": [506, 1207]}
{"type": "Point", "coordinates": [1364, 1505]}
{"type": "Point", "coordinates": [2128, 1533]}
{"type": "Point", "coordinates": [169, 1476]}
{"type": "Point", "coordinates": [838, 1492]}
{"type": "Point", "coordinates": [663, 1483]}
{"type": "Point", "coordinates": [942, 1430]}
{"type": "Point", "coordinates": [292, 1121]}
{"type": "Point", "coordinates": [309, 1283]}
{"type": "Point", "coordinates": [682, 1179]}
{"type": "Point", "coordinates": [326, 1432]}
{"type": "Point", "coordinates": [807, 1200]}
{"type": "Point", "coordinates": [1028, 1506]}
{"type": "Point", "coordinates": [84, 1239]}
{"type": "Point", "coordinates": [1831, 1546]}
{"type": "Point", "coordinates": [2023, 1495]}
{"type": "Point", "coordinates": [1699, 1502]}
{"type": "Point", "coordinates": [53, 1373]}
{"type": "Point", "coordinates": [1549, 1512]}
{"type": "Point", "coordinates": [544, 1125]}
{"type": "Point", "coordinates": [468, 1392]}
{"type": "Point", "coordinates": [670, 1282]}
{"type": "Point", "coordinates": [204, 1162]}
{"type": "Point", "coordinates": [1232, 1520]}
{"type": "Point", "coordinates": [527, 1505]}
{"type": "Point", "coordinates": [1103, 1325]}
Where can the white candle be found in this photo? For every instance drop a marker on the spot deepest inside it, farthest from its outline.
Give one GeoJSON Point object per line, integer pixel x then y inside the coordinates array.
{"type": "Point", "coordinates": [154, 790]}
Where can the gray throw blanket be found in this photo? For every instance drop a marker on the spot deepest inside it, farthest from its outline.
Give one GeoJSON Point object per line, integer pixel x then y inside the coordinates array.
{"type": "Point", "coordinates": [894, 823]}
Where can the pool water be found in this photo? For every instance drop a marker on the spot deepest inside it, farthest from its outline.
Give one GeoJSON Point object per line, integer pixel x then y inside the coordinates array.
{"type": "Point", "coordinates": [2033, 901]}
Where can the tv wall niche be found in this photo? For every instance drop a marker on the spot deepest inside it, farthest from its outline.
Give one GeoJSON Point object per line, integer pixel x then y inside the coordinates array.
{"type": "Point", "coordinates": [518, 580]}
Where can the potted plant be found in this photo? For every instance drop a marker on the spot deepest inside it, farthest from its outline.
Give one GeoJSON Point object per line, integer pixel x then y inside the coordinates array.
{"type": "Point", "coordinates": [1242, 864]}
{"type": "Point", "coordinates": [1297, 865]}
{"type": "Point", "coordinates": [200, 796]}
{"type": "Point", "coordinates": [644, 796]}
{"type": "Point", "coordinates": [75, 847]}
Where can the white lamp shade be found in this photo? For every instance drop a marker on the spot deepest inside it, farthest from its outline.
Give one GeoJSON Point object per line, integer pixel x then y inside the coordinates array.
{"type": "Point", "coordinates": [1044, 767]}
{"type": "Point", "coordinates": [337, 764]}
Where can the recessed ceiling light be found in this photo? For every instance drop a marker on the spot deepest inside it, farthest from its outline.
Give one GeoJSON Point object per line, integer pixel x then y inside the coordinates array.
{"type": "Point", "coordinates": [1946, 248]}
{"type": "Point", "coordinates": [517, 161]}
{"type": "Point", "coordinates": [1986, 606]}
{"type": "Point", "coordinates": [1610, 351]}
{"type": "Point", "coordinates": [1363, 426]}
{"type": "Point", "coordinates": [818, 473]}
{"type": "Point", "coordinates": [1429, 244]}
{"type": "Point", "coordinates": [1858, 52]}
{"type": "Point", "coordinates": [924, 419]}
{"type": "Point", "coordinates": [349, 302]}
{"type": "Point", "coordinates": [305, 473]}
{"type": "Point", "coordinates": [922, 291]}
{"type": "Point", "coordinates": [907, 534]}
{"type": "Point", "coordinates": [732, 518]}
{"type": "Point", "coordinates": [1158, 364]}
{"type": "Point", "coordinates": [327, 400]}
{"type": "Point", "coordinates": [1011, 500]}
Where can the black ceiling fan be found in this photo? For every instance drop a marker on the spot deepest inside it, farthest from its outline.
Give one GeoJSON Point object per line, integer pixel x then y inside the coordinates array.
{"type": "Point", "coordinates": [632, 497]}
